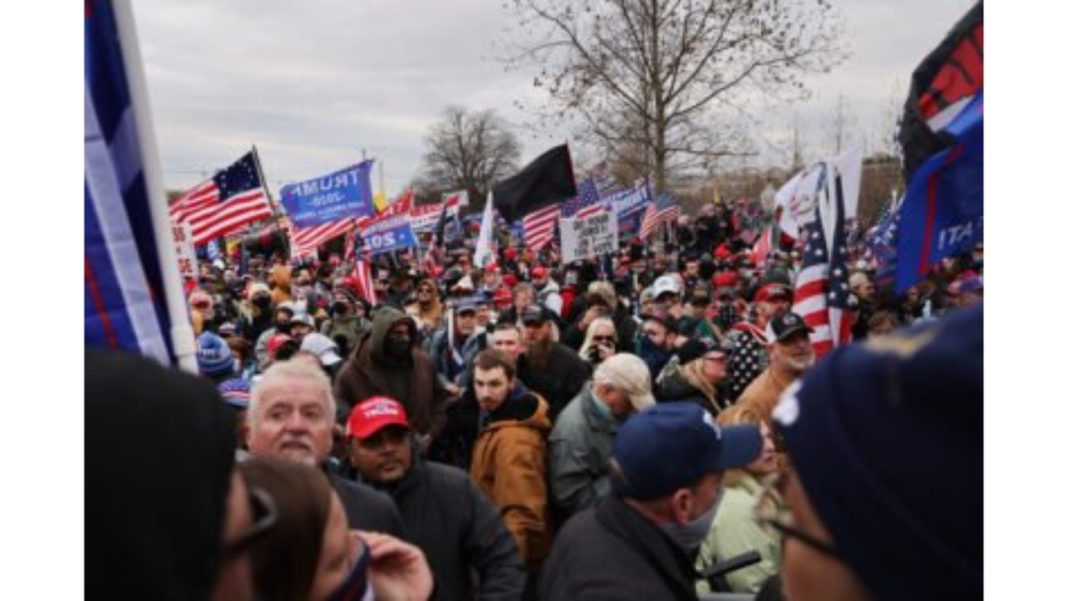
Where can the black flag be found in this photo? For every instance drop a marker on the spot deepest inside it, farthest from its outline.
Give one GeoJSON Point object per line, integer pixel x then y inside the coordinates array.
{"type": "Point", "coordinates": [545, 181]}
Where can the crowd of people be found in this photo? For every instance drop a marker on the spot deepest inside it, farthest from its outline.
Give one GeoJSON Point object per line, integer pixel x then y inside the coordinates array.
{"type": "Point", "coordinates": [618, 427]}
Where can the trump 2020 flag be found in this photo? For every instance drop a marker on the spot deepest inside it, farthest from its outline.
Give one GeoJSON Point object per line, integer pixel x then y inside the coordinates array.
{"type": "Point", "coordinates": [129, 294]}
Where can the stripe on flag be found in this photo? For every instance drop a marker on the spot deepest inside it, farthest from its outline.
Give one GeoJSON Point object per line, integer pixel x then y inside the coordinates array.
{"type": "Point", "coordinates": [305, 241]}
{"type": "Point", "coordinates": [223, 204]}
{"type": "Point", "coordinates": [539, 227]}
{"type": "Point", "coordinates": [663, 210]}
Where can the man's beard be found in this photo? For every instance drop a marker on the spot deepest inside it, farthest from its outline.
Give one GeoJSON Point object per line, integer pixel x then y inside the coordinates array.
{"type": "Point", "coordinates": [538, 352]}
{"type": "Point", "coordinates": [799, 365]}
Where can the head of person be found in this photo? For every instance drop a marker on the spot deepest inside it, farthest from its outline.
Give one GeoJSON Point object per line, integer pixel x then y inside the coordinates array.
{"type": "Point", "coordinates": [708, 356]}
{"type": "Point", "coordinates": [466, 314]}
{"type": "Point", "coordinates": [603, 294]}
{"type": "Point", "coordinates": [646, 301]}
{"type": "Point", "coordinates": [291, 413]}
{"type": "Point", "coordinates": [884, 484]}
{"type": "Point", "coordinates": [522, 297]}
{"type": "Point", "coordinates": [537, 325]}
{"type": "Point", "coordinates": [259, 296]}
{"type": "Point", "coordinates": [426, 293]}
{"type": "Point", "coordinates": [600, 333]}
{"type": "Point", "coordinates": [882, 323]}
{"type": "Point", "coordinates": [281, 347]}
{"type": "Point", "coordinates": [666, 291]}
{"type": "Point", "coordinates": [539, 276]}
{"type": "Point", "coordinates": [692, 268]}
{"type": "Point", "coordinates": [772, 300]}
{"type": "Point", "coordinates": [201, 301]}
{"type": "Point", "coordinates": [309, 552]}
{"type": "Point", "coordinates": [380, 443]}
{"type": "Point", "coordinates": [283, 316]}
{"type": "Point", "coordinates": [971, 290]}
{"type": "Point", "coordinates": [659, 331]}
{"type": "Point", "coordinates": [668, 463]}
{"type": "Point", "coordinates": [789, 347]}
{"type": "Point", "coordinates": [324, 348]}
{"type": "Point", "coordinates": [215, 360]}
{"type": "Point", "coordinates": [483, 311]}
{"type": "Point", "coordinates": [506, 338]}
{"type": "Point", "coordinates": [767, 462]}
{"type": "Point", "coordinates": [697, 302]}
{"type": "Point", "coordinates": [862, 286]}
{"type": "Point", "coordinates": [622, 383]}
{"type": "Point", "coordinates": [493, 378]}
{"type": "Point", "coordinates": [236, 394]}
{"type": "Point", "coordinates": [300, 326]}
{"type": "Point", "coordinates": [392, 335]}
{"type": "Point", "coordinates": [182, 535]}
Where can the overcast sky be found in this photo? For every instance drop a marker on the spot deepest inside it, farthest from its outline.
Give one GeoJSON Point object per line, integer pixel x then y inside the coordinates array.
{"type": "Point", "coordinates": [315, 83]}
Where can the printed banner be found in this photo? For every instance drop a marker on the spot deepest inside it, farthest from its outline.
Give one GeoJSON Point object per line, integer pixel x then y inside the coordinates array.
{"type": "Point", "coordinates": [344, 194]}
{"type": "Point", "coordinates": [182, 235]}
{"type": "Point", "coordinates": [386, 234]}
{"type": "Point", "coordinates": [631, 201]}
{"type": "Point", "coordinates": [584, 236]}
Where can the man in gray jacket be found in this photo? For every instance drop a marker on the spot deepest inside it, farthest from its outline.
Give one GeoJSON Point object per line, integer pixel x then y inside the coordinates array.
{"type": "Point", "coordinates": [580, 444]}
{"type": "Point", "coordinates": [445, 514]}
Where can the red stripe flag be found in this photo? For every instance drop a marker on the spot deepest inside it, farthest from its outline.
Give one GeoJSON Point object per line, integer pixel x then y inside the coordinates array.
{"type": "Point", "coordinates": [539, 227]}
{"type": "Point", "coordinates": [822, 296]}
{"type": "Point", "coordinates": [230, 200]}
{"type": "Point", "coordinates": [305, 241]}
{"type": "Point", "coordinates": [663, 210]}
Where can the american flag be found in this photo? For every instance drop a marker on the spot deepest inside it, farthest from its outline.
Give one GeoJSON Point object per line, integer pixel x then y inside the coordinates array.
{"type": "Point", "coordinates": [433, 260]}
{"type": "Point", "coordinates": [587, 202]}
{"type": "Point", "coordinates": [664, 210]}
{"type": "Point", "coordinates": [539, 227]}
{"type": "Point", "coordinates": [821, 296]}
{"type": "Point", "coordinates": [231, 199]}
{"type": "Point", "coordinates": [361, 272]}
{"type": "Point", "coordinates": [303, 242]}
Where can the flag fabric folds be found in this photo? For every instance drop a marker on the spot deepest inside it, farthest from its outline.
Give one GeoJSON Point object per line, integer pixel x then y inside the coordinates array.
{"type": "Point", "coordinates": [821, 295]}
{"type": "Point", "coordinates": [539, 227]}
{"type": "Point", "coordinates": [587, 202]}
{"type": "Point", "coordinates": [664, 210]}
{"type": "Point", "coordinates": [225, 203]}
{"type": "Point", "coordinates": [484, 251]}
{"type": "Point", "coordinates": [547, 180]}
{"type": "Point", "coordinates": [304, 242]}
{"type": "Point", "coordinates": [125, 287]}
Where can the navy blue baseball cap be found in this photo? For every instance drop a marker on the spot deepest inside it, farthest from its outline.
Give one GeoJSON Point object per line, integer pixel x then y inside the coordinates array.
{"type": "Point", "coordinates": [673, 445]}
{"type": "Point", "coordinates": [887, 438]}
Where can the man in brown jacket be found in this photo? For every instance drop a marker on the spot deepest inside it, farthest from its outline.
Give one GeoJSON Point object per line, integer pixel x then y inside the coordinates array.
{"type": "Point", "coordinates": [790, 354]}
{"type": "Point", "coordinates": [508, 461]}
{"type": "Point", "coordinates": [388, 362]}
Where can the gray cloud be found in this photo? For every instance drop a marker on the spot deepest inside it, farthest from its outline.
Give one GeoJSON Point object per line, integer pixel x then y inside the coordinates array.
{"type": "Point", "coordinates": [313, 83]}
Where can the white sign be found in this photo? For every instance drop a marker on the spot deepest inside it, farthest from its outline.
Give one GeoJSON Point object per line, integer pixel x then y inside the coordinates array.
{"type": "Point", "coordinates": [182, 235]}
{"type": "Point", "coordinates": [594, 235]}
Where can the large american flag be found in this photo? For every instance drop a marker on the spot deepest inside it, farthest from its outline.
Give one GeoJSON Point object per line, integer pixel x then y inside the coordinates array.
{"type": "Point", "coordinates": [231, 199]}
{"type": "Point", "coordinates": [664, 210]}
{"type": "Point", "coordinates": [539, 227]}
{"type": "Point", "coordinates": [587, 202]}
{"type": "Point", "coordinates": [821, 295]}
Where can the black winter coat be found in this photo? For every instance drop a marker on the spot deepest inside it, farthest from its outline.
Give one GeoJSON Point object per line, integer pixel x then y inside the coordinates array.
{"type": "Point", "coordinates": [367, 508]}
{"type": "Point", "coordinates": [609, 551]}
{"type": "Point", "coordinates": [559, 381]}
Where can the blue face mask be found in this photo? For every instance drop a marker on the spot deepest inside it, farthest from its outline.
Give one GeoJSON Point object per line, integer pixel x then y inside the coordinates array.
{"type": "Point", "coordinates": [356, 586]}
{"type": "Point", "coordinates": [690, 535]}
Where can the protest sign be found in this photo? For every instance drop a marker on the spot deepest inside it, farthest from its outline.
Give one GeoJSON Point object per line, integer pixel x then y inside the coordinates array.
{"type": "Point", "coordinates": [182, 235]}
{"type": "Point", "coordinates": [382, 235]}
{"type": "Point", "coordinates": [344, 194]}
{"type": "Point", "coordinates": [585, 236]}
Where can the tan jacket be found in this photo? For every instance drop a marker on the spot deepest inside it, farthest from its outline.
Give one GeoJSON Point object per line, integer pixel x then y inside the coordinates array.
{"type": "Point", "coordinates": [508, 466]}
{"type": "Point", "coordinates": [763, 392]}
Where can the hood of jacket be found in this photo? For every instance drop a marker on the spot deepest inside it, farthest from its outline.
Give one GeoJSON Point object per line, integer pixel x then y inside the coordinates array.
{"type": "Point", "coordinates": [523, 407]}
{"type": "Point", "coordinates": [384, 318]}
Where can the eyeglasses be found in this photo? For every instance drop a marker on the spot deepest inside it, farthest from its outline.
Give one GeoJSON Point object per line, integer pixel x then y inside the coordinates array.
{"type": "Point", "coordinates": [776, 519]}
{"type": "Point", "coordinates": [265, 514]}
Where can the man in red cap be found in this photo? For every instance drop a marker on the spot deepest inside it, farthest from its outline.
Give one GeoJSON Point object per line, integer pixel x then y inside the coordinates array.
{"type": "Point", "coordinates": [444, 513]}
{"type": "Point", "coordinates": [546, 289]}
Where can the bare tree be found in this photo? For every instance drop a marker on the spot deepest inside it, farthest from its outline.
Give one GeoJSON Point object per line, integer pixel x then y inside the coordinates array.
{"type": "Point", "coordinates": [664, 75]}
{"type": "Point", "coordinates": [840, 125]}
{"type": "Point", "coordinates": [470, 151]}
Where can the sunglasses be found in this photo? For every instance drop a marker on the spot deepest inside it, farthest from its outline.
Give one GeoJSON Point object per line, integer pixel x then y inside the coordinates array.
{"type": "Point", "coordinates": [265, 515]}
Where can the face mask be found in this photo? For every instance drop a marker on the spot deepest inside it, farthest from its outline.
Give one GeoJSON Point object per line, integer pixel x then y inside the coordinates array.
{"type": "Point", "coordinates": [339, 308]}
{"type": "Point", "coordinates": [355, 587]}
{"type": "Point", "coordinates": [397, 346]}
{"type": "Point", "coordinates": [283, 328]}
{"type": "Point", "coordinates": [262, 302]}
{"type": "Point", "coordinates": [689, 536]}
{"type": "Point", "coordinates": [602, 409]}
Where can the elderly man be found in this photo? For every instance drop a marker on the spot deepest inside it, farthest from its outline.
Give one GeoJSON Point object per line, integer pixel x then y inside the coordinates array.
{"type": "Point", "coordinates": [790, 353]}
{"type": "Point", "coordinates": [885, 481]}
{"type": "Point", "coordinates": [444, 514]}
{"type": "Point", "coordinates": [291, 416]}
{"type": "Point", "coordinates": [580, 444]}
{"type": "Point", "coordinates": [640, 542]}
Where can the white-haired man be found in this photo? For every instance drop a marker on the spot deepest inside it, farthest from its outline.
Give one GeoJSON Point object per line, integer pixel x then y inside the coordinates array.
{"type": "Point", "coordinates": [580, 444]}
{"type": "Point", "coordinates": [291, 416]}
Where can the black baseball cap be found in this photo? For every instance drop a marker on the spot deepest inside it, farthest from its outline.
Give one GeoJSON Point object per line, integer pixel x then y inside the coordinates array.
{"type": "Point", "coordinates": [785, 326]}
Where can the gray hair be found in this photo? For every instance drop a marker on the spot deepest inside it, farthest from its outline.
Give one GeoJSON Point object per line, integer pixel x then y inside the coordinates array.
{"type": "Point", "coordinates": [291, 370]}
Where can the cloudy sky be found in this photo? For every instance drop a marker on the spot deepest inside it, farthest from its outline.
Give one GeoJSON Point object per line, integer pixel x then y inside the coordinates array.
{"type": "Point", "coordinates": [314, 84]}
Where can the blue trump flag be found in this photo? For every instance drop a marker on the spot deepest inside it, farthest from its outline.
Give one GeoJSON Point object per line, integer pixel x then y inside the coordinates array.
{"type": "Point", "coordinates": [942, 214]}
{"type": "Point", "coordinates": [127, 302]}
{"type": "Point", "coordinates": [344, 194]}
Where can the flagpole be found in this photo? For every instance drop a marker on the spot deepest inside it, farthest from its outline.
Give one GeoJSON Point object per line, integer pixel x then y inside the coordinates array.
{"type": "Point", "coordinates": [181, 327]}
{"type": "Point", "coordinates": [270, 201]}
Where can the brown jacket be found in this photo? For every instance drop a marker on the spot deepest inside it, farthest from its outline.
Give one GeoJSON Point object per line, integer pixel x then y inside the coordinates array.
{"type": "Point", "coordinates": [763, 392]}
{"type": "Point", "coordinates": [368, 372]}
{"type": "Point", "coordinates": [508, 465]}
